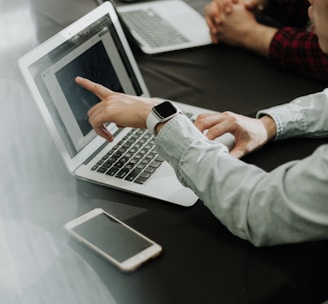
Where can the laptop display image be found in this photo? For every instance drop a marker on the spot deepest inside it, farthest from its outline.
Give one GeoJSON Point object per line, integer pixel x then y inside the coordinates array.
{"type": "Point", "coordinates": [95, 47]}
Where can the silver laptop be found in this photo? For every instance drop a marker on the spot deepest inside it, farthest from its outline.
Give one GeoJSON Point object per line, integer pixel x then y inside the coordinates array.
{"type": "Point", "coordinates": [165, 25]}
{"type": "Point", "coordinates": [95, 47]}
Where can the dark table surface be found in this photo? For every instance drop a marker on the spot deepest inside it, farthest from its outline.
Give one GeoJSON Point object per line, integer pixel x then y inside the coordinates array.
{"type": "Point", "coordinates": [202, 261]}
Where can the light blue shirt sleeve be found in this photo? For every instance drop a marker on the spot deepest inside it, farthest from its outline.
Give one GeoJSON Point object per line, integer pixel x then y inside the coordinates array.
{"type": "Point", "coordinates": [305, 116]}
{"type": "Point", "coordinates": [288, 204]}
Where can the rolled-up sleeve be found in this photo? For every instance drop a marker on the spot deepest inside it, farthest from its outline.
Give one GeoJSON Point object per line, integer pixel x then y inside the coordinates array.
{"type": "Point", "coordinates": [286, 205]}
{"type": "Point", "coordinates": [298, 50]}
{"type": "Point", "coordinates": [305, 116]}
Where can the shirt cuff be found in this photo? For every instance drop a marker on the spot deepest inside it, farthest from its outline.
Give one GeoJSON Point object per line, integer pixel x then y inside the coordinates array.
{"type": "Point", "coordinates": [288, 119]}
{"type": "Point", "coordinates": [177, 138]}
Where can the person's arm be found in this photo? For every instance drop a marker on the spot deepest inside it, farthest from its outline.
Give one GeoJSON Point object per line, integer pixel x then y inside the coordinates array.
{"type": "Point", "coordinates": [299, 50]}
{"type": "Point", "coordinates": [286, 205]}
{"type": "Point", "coordinates": [240, 28]}
{"type": "Point", "coordinates": [305, 116]}
{"type": "Point", "coordinates": [292, 48]}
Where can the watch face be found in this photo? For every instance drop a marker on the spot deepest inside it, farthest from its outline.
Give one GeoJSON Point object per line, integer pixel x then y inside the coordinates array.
{"type": "Point", "coordinates": [165, 109]}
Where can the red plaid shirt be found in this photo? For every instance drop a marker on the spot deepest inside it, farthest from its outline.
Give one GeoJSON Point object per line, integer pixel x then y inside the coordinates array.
{"type": "Point", "coordinates": [293, 47]}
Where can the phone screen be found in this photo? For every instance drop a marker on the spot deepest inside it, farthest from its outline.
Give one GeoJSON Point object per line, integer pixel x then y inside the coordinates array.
{"type": "Point", "coordinates": [112, 237]}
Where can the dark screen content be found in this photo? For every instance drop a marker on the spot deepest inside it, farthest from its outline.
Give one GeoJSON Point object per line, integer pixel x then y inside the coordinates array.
{"type": "Point", "coordinates": [101, 26]}
{"type": "Point", "coordinates": [93, 64]}
{"type": "Point", "coordinates": [112, 237]}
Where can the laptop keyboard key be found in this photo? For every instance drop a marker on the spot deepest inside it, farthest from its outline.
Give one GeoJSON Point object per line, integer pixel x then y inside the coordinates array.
{"type": "Point", "coordinates": [140, 180]}
{"type": "Point", "coordinates": [133, 174]}
{"type": "Point", "coordinates": [153, 28]}
{"type": "Point", "coordinates": [122, 173]}
{"type": "Point", "coordinates": [112, 171]}
{"type": "Point", "coordinates": [134, 158]}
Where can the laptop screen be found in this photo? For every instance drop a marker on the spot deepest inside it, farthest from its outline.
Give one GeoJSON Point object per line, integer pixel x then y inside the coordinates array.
{"type": "Point", "coordinates": [95, 53]}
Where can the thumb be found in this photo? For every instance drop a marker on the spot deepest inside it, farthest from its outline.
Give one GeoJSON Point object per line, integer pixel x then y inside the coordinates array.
{"type": "Point", "coordinates": [237, 152]}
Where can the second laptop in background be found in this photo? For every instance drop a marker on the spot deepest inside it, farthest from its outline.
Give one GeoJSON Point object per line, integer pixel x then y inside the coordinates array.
{"type": "Point", "coordinates": [163, 26]}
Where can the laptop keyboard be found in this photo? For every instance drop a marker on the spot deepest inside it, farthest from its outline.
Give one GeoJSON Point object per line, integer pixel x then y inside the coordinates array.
{"type": "Point", "coordinates": [152, 28]}
{"type": "Point", "coordinates": [133, 158]}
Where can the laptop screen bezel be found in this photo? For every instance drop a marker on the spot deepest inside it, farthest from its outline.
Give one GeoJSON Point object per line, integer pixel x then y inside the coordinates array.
{"type": "Point", "coordinates": [73, 162]}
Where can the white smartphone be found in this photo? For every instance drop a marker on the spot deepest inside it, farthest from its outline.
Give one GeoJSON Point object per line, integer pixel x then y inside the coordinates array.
{"type": "Point", "coordinates": [113, 239]}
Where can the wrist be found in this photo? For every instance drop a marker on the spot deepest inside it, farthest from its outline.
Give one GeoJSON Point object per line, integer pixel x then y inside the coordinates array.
{"type": "Point", "coordinates": [160, 114]}
{"type": "Point", "coordinates": [160, 126]}
{"type": "Point", "coordinates": [259, 39]}
{"type": "Point", "coordinates": [269, 126]}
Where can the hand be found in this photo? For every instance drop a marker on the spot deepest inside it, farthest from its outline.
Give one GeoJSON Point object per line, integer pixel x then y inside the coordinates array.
{"type": "Point", "coordinates": [122, 109]}
{"type": "Point", "coordinates": [213, 13]}
{"type": "Point", "coordinates": [217, 8]}
{"type": "Point", "coordinates": [250, 133]}
{"type": "Point", "coordinates": [239, 27]}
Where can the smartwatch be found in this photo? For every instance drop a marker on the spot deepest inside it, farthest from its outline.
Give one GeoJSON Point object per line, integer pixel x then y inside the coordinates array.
{"type": "Point", "coordinates": [161, 113]}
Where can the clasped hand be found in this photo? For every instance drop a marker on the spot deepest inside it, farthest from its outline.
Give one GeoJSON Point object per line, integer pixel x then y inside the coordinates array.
{"type": "Point", "coordinates": [230, 20]}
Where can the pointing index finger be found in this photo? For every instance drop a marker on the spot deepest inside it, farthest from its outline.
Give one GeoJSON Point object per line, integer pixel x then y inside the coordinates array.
{"type": "Point", "coordinates": [100, 91]}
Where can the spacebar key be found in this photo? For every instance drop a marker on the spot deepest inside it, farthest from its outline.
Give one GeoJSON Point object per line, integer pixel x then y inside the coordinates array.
{"type": "Point", "coordinates": [133, 174]}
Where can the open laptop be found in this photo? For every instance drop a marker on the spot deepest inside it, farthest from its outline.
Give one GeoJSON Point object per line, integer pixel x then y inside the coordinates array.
{"type": "Point", "coordinates": [164, 25]}
{"type": "Point", "coordinates": [95, 47]}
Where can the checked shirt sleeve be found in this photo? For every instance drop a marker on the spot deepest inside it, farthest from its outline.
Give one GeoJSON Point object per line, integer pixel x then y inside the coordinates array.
{"type": "Point", "coordinates": [299, 51]}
